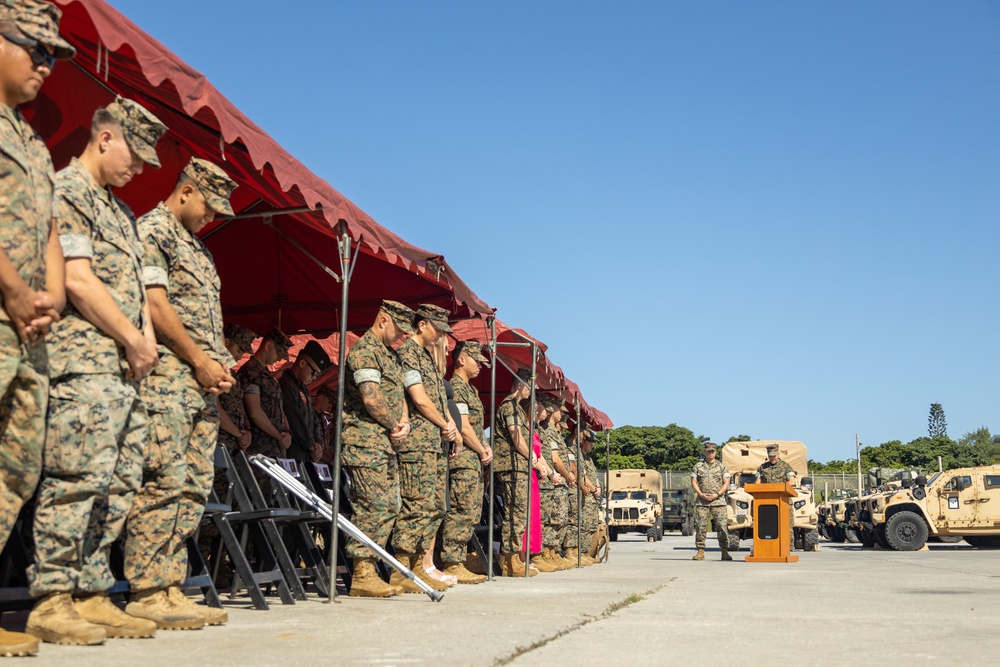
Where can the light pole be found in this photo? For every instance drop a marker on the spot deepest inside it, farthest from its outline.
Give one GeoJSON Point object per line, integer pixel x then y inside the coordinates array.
{"type": "Point", "coordinates": [857, 450]}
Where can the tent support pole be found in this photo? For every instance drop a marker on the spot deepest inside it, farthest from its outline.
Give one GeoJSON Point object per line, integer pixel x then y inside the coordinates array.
{"type": "Point", "coordinates": [493, 428]}
{"type": "Point", "coordinates": [607, 483]}
{"type": "Point", "coordinates": [346, 269]}
{"type": "Point", "coordinates": [579, 490]}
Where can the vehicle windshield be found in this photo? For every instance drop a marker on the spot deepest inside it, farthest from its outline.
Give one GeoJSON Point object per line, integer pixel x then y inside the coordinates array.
{"type": "Point", "coordinates": [619, 495]}
{"type": "Point", "coordinates": [933, 477]}
{"type": "Point", "coordinates": [638, 495]}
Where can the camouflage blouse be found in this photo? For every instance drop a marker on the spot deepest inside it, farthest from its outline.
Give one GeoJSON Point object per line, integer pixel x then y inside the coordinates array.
{"type": "Point", "coordinates": [96, 225]}
{"type": "Point", "coordinates": [177, 260]}
{"type": "Point", "coordinates": [256, 379]}
{"type": "Point", "coordinates": [27, 198]}
{"type": "Point", "coordinates": [710, 477]}
{"type": "Point", "coordinates": [505, 456]}
{"type": "Point", "coordinates": [774, 473]}
{"type": "Point", "coordinates": [369, 361]}
{"type": "Point", "coordinates": [471, 409]}
{"type": "Point", "coordinates": [232, 404]}
{"type": "Point", "coordinates": [419, 368]}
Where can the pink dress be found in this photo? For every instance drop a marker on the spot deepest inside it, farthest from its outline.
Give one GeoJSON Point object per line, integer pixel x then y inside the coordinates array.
{"type": "Point", "coordinates": [535, 527]}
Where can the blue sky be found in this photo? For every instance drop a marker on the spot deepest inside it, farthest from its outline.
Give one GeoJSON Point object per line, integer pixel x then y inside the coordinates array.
{"type": "Point", "coordinates": [776, 218]}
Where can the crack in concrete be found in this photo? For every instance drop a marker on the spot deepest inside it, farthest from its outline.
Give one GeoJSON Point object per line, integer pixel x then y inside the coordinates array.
{"type": "Point", "coordinates": [610, 611]}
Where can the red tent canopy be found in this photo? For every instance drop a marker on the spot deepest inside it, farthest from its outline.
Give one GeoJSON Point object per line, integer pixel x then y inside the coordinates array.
{"type": "Point", "coordinates": [266, 280]}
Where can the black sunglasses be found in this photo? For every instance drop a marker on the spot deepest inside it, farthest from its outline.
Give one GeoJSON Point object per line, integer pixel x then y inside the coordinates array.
{"type": "Point", "coordinates": [39, 54]}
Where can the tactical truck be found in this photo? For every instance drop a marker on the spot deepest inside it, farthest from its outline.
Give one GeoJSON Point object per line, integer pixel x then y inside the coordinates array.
{"type": "Point", "coordinates": [635, 503]}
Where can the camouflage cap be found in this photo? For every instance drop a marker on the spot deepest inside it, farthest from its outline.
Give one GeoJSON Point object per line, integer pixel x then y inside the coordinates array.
{"type": "Point", "coordinates": [587, 435]}
{"type": "Point", "coordinates": [242, 336]}
{"type": "Point", "coordinates": [709, 446]}
{"type": "Point", "coordinates": [549, 402]}
{"type": "Point", "coordinates": [141, 128]}
{"type": "Point", "coordinates": [436, 315]}
{"type": "Point", "coordinates": [280, 340]}
{"type": "Point", "coordinates": [40, 21]}
{"type": "Point", "coordinates": [472, 349]}
{"type": "Point", "coordinates": [214, 183]}
{"type": "Point", "coordinates": [524, 374]}
{"type": "Point", "coordinates": [773, 448]}
{"type": "Point", "coordinates": [400, 314]}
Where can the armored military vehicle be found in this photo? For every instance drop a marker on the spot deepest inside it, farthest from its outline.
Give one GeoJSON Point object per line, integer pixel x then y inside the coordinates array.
{"type": "Point", "coordinates": [635, 503]}
{"type": "Point", "coordinates": [964, 503]}
{"type": "Point", "coordinates": [678, 511]}
{"type": "Point", "coordinates": [742, 460]}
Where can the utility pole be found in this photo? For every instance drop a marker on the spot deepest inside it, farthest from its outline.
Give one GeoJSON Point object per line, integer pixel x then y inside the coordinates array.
{"type": "Point", "coordinates": [857, 450]}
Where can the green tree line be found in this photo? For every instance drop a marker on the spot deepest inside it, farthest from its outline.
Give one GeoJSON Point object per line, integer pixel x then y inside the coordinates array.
{"type": "Point", "coordinates": [675, 447]}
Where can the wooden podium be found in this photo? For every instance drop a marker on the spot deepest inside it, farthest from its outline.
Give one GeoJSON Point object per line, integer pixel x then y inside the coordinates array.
{"type": "Point", "coordinates": [771, 528]}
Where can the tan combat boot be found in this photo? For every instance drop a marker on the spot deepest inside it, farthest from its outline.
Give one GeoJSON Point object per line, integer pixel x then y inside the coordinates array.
{"type": "Point", "coordinates": [211, 615]}
{"type": "Point", "coordinates": [725, 555]}
{"type": "Point", "coordinates": [542, 564]}
{"type": "Point", "coordinates": [418, 569]}
{"type": "Point", "coordinates": [700, 555]}
{"type": "Point", "coordinates": [17, 643]}
{"type": "Point", "coordinates": [463, 575]}
{"type": "Point", "coordinates": [100, 610]}
{"type": "Point", "coordinates": [365, 582]}
{"type": "Point", "coordinates": [554, 559]}
{"type": "Point", "coordinates": [474, 565]}
{"type": "Point", "coordinates": [566, 560]}
{"type": "Point", "coordinates": [513, 566]}
{"type": "Point", "coordinates": [54, 619]}
{"type": "Point", "coordinates": [401, 582]}
{"type": "Point", "coordinates": [153, 604]}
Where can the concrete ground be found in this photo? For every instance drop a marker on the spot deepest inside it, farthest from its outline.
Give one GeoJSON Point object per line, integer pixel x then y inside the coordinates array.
{"type": "Point", "coordinates": [650, 604]}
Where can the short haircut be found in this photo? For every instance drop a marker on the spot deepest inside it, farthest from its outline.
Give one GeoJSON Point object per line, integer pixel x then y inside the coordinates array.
{"type": "Point", "coordinates": [102, 120]}
{"type": "Point", "coordinates": [418, 320]}
{"type": "Point", "coordinates": [273, 337]}
{"type": "Point", "coordinates": [183, 179]}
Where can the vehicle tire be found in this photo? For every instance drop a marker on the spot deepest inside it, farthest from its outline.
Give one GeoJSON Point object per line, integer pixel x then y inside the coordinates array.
{"type": "Point", "coordinates": [734, 542]}
{"type": "Point", "coordinates": [686, 529]}
{"type": "Point", "coordinates": [612, 533]}
{"type": "Point", "coordinates": [879, 535]}
{"type": "Point", "coordinates": [797, 539]}
{"type": "Point", "coordinates": [866, 538]}
{"type": "Point", "coordinates": [851, 535]}
{"type": "Point", "coordinates": [659, 531]}
{"type": "Point", "coordinates": [945, 539]}
{"type": "Point", "coordinates": [906, 531]}
{"type": "Point", "coordinates": [651, 534]}
{"type": "Point", "coordinates": [838, 535]}
{"type": "Point", "coordinates": [984, 541]}
{"type": "Point", "coordinates": [810, 540]}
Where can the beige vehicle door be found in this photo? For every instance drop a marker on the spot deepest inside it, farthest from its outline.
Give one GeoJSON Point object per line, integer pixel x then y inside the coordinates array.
{"type": "Point", "coordinates": [988, 505]}
{"type": "Point", "coordinates": [958, 503]}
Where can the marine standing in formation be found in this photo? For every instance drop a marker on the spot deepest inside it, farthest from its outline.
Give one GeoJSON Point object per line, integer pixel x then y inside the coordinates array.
{"type": "Point", "coordinates": [375, 425]}
{"type": "Point", "coordinates": [98, 355]}
{"type": "Point", "coordinates": [710, 481]}
{"type": "Point", "coordinates": [183, 291]}
{"type": "Point", "coordinates": [31, 262]}
{"type": "Point", "coordinates": [420, 478]}
{"type": "Point", "coordinates": [466, 470]}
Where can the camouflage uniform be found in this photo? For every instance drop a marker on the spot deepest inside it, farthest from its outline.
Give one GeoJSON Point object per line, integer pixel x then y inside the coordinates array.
{"type": "Point", "coordinates": [710, 477]}
{"type": "Point", "coordinates": [511, 471]}
{"type": "Point", "coordinates": [573, 492]}
{"type": "Point", "coordinates": [592, 518]}
{"type": "Point", "coordinates": [778, 473]}
{"type": "Point", "coordinates": [97, 426]}
{"type": "Point", "coordinates": [559, 520]}
{"type": "Point", "coordinates": [421, 482]}
{"type": "Point", "coordinates": [178, 467]}
{"type": "Point", "coordinates": [257, 380]}
{"type": "Point", "coordinates": [466, 479]}
{"type": "Point", "coordinates": [367, 453]}
{"type": "Point", "coordinates": [28, 206]}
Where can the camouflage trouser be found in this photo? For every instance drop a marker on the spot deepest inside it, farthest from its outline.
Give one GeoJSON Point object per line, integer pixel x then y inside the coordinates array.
{"type": "Point", "coordinates": [591, 517]}
{"type": "Point", "coordinates": [96, 436]}
{"type": "Point", "coordinates": [511, 485]}
{"type": "Point", "coordinates": [178, 471]}
{"type": "Point", "coordinates": [466, 507]}
{"type": "Point", "coordinates": [421, 491]}
{"type": "Point", "coordinates": [559, 519]}
{"type": "Point", "coordinates": [374, 494]}
{"type": "Point", "coordinates": [569, 535]}
{"type": "Point", "coordinates": [718, 513]}
{"type": "Point", "coordinates": [24, 383]}
{"type": "Point", "coordinates": [550, 531]}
